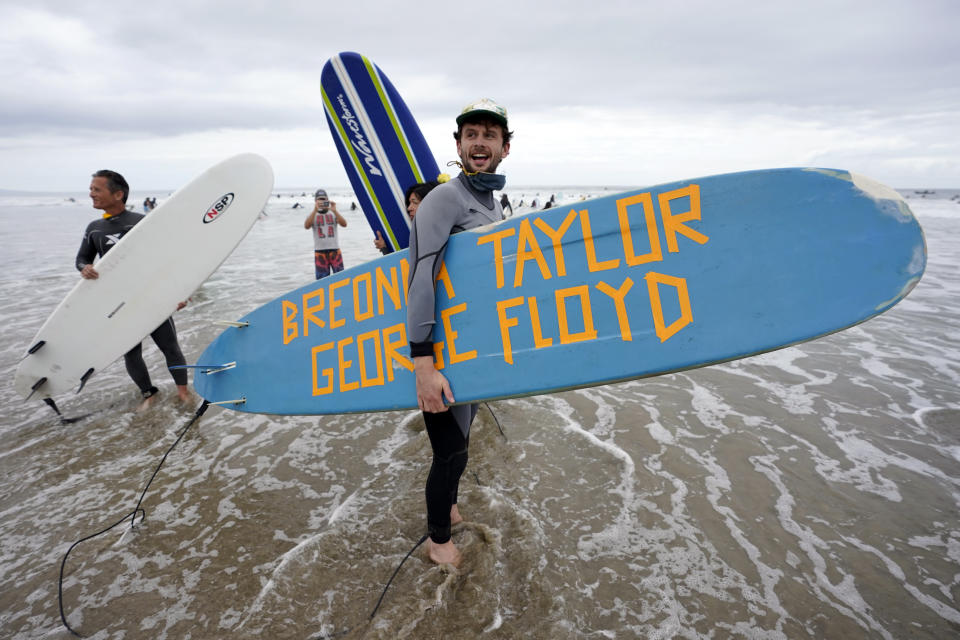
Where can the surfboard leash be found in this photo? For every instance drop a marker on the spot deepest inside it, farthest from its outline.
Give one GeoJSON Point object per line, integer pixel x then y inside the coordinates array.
{"type": "Point", "coordinates": [132, 515]}
{"type": "Point", "coordinates": [495, 419]}
{"type": "Point", "coordinates": [383, 594]}
{"type": "Point", "coordinates": [338, 634]}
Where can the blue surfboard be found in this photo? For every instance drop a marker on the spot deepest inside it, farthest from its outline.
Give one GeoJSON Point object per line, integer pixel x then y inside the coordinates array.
{"type": "Point", "coordinates": [380, 144]}
{"type": "Point", "coordinates": [638, 284]}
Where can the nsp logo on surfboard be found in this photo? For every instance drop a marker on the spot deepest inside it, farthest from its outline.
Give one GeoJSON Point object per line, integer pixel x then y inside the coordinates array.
{"type": "Point", "coordinates": [359, 143]}
{"type": "Point", "coordinates": [217, 209]}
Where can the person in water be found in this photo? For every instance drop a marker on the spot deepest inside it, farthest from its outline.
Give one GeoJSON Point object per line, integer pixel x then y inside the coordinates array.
{"type": "Point", "coordinates": [465, 202]}
{"type": "Point", "coordinates": [109, 191]}
{"type": "Point", "coordinates": [505, 204]}
{"type": "Point", "coordinates": [413, 196]}
{"type": "Point", "coordinates": [323, 221]}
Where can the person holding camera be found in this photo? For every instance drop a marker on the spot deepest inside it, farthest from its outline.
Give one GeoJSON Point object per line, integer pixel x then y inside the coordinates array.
{"type": "Point", "coordinates": [323, 221]}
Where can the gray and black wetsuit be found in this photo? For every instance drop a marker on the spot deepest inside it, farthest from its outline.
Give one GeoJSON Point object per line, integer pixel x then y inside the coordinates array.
{"type": "Point", "coordinates": [100, 236]}
{"type": "Point", "coordinates": [452, 207]}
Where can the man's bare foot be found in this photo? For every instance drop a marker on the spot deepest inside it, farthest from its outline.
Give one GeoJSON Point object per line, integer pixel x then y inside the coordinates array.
{"type": "Point", "coordinates": [184, 395]}
{"type": "Point", "coordinates": [455, 517]}
{"type": "Point", "coordinates": [147, 403]}
{"type": "Point", "coordinates": [445, 553]}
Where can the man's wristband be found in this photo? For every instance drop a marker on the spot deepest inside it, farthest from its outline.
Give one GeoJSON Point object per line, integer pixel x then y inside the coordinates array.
{"type": "Point", "coordinates": [418, 349]}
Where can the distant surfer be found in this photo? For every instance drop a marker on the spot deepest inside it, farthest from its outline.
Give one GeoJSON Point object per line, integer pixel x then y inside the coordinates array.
{"type": "Point", "coordinates": [505, 205]}
{"type": "Point", "coordinates": [465, 202]}
{"type": "Point", "coordinates": [108, 191]}
{"type": "Point", "coordinates": [413, 196]}
{"type": "Point", "coordinates": [323, 221]}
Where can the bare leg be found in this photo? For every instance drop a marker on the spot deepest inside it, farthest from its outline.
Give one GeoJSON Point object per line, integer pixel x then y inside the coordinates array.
{"type": "Point", "coordinates": [455, 517]}
{"type": "Point", "coordinates": [183, 392]}
{"type": "Point", "coordinates": [147, 402]}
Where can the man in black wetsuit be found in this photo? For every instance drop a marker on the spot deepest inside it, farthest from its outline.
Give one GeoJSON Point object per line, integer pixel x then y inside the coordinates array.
{"type": "Point", "coordinates": [108, 191]}
{"type": "Point", "coordinates": [465, 202]}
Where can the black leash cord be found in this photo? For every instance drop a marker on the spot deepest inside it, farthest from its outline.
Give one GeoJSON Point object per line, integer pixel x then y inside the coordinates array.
{"type": "Point", "coordinates": [382, 594]}
{"type": "Point", "coordinates": [132, 515]}
{"type": "Point", "coordinates": [200, 411]}
{"type": "Point", "coordinates": [395, 572]}
{"type": "Point", "coordinates": [409, 553]}
{"type": "Point", "coordinates": [495, 419]}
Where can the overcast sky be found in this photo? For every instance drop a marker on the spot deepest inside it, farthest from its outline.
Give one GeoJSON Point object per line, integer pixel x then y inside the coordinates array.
{"type": "Point", "coordinates": [599, 92]}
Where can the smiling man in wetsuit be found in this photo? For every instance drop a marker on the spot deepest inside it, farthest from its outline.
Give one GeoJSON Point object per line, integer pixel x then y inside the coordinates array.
{"type": "Point", "coordinates": [109, 191]}
{"type": "Point", "coordinates": [465, 202]}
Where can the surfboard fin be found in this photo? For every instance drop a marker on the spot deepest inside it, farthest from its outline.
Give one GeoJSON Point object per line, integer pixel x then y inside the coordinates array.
{"type": "Point", "coordinates": [53, 405]}
{"type": "Point", "coordinates": [32, 350]}
{"type": "Point", "coordinates": [64, 420]}
{"type": "Point", "coordinates": [242, 400]}
{"type": "Point", "coordinates": [222, 367]}
{"type": "Point", "coordinates": [207, 368]}
{"type": "Point", "coordinates": [84, 378]}
{"type": "Point", "coordinates": [36, 385]}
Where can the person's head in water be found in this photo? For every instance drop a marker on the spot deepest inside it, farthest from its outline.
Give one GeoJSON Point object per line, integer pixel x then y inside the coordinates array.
{"type": "Point", "coordinates": [416, 193]}
{"type": "Point", "coordinates": [483, 136]}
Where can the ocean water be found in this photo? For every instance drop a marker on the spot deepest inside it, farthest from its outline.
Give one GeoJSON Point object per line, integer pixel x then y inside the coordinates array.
{"type": "Point", "coordinates": [812, 492]}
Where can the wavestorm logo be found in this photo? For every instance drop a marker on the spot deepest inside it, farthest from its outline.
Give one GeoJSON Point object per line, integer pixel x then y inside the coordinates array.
{"type": "Point", "coordinates": [359, 142]}
{"type": "Point", "coordinates": [215, 210]}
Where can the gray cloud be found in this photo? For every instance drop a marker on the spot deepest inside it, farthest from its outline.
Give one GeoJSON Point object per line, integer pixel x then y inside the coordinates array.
{"type": "Point", "coordinates": [178, 68]}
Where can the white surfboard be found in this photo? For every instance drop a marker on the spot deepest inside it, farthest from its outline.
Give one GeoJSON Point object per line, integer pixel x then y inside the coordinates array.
{"type": "Point", "coordinates": [157, 264]}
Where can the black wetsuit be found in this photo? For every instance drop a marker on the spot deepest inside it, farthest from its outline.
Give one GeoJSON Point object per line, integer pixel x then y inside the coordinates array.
{"type": "Point", "coordinates": [452, 207]}
{"type": "Point", "coordinates": [100, 236]}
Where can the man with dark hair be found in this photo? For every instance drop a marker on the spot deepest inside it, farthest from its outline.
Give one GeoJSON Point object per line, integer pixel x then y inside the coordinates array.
{"type": "Point", "coordinates": [109, 191]}
{"type": "Point", "coordinates": [413, 196]}
{"type": "Point", "coordinates": [465, 202]}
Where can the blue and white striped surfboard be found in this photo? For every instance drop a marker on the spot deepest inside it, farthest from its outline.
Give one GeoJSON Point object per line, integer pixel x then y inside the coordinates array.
{"type": "Point", "coordinates": [379, 142]}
